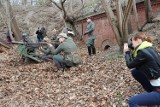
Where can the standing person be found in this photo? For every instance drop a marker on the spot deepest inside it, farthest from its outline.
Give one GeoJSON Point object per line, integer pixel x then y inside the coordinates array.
{"type": "Point", "coordinates": [39, 35]}
{"type": "Point", "coordinates": [8, 38]}
{"type": "Point", "coordinates": [44, 32]}
{"type": "Point", "coordinates": [91, 36]}
{"type": "Point", "coordinates": [147, 61]}
{"type": "Point", "coordinates": [69, 49]}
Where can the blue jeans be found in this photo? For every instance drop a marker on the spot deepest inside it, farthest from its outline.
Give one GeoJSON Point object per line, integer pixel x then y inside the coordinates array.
{"type": "Point", "coordinates": [142, 79]}
{"type": "Point", "coordinates": [40, 38]}
{"type": "Point", "coordinates": [145, 99]}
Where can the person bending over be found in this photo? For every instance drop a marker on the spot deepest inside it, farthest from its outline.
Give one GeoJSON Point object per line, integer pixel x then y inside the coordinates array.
{"type": "Point", "coordinates": [147, 61]}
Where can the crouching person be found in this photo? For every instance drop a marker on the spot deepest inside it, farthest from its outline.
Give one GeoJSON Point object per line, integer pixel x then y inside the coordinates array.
{"type": "Point", "coordinates": [65, 55]}
{"type": "Point", "coordinates": [147, 61]}
{"type": "Point", "coordinates": [46, 51]}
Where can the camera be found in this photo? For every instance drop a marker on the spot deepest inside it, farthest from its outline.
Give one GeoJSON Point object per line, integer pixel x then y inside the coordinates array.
{"type": "Point", "coordinates": [130, 45]}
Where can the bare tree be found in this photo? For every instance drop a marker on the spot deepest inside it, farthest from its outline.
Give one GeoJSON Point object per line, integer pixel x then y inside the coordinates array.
{"type": "Point", "coordinates": [148, 11]}
{"type": "Point", "coordinates": [66, 18]}
{"type": "Point", "coordinates": [12, 24]}
{"type": "Point", "coordinates": [8, 19]}
{"type": "Point", "coordinates": [120, 28]}
{"type": "Point", "coordinates": [136, 15]}
{"type": "Point", "coordinates": [125, 20]}
{"type": "Point", "coordinates": [24, 2]}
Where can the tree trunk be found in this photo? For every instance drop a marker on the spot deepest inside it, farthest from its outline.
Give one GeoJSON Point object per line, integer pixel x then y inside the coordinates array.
{"type": "Point", "coordinates": [24, 2]}
{"type": "Point", "coordinates": [8, 19]}
{"type": "Point", "coordinates": [12, 22]}
{"type": "Point", "coordinates": [32, 2]}
{"type": "Point", "coordinates": [66, 19]}
{"type": "Point", "coordinates": [0, 3]}
{"type": "Point", "coordinates": [125, 21]}
{"type": "Point", "coordinates": [136, 15]}
{"type": "Point", "coordinates": [129, 26]}
{"type": "Point", "coordinates": [112, 20]}
{"type": "Point", "coordinates": [148, 11]}
{"type": "Point", "coordinates": [119, 14]}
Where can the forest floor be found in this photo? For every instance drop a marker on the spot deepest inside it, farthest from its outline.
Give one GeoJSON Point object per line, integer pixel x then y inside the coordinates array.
{"type": "Point", "coordinates": [102, 80]}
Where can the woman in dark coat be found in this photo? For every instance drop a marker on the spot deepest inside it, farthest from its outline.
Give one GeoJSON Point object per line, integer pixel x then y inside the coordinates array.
{"type": "Point", "coordinates": [147, 61]}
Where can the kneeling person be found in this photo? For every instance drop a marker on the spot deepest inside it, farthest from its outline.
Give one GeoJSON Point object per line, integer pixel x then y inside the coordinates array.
{"type": "Point", "coordinates": [69, 49]}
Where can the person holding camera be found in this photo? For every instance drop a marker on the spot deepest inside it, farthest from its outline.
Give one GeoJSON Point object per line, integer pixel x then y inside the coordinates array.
{"type": "Point", "coordinates": [147, 61]}
{"type": "Point", "coordinates": [39, 35]}
{"type": "Point", "coordinates": [139, 76]}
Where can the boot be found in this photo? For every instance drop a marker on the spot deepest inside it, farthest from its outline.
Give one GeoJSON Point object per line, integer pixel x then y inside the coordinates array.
{"type": "Point", "coordinates": [89, 50]}
{"type": "Point", "coordinates": [93, 50]}
{"type": "Point", "coordinates": [58, 67]}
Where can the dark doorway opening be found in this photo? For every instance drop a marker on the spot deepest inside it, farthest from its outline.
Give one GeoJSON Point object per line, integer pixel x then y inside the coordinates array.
{"type": "Point", "coordinates": [106, 47]}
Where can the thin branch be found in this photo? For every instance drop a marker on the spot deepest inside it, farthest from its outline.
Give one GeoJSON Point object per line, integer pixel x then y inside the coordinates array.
{"type": "Point", "coordinates": [56, 5]}
{"type": "Point", "coordinates": [63, 1]}
{"type": "Point", "coordinates": [63, 9]}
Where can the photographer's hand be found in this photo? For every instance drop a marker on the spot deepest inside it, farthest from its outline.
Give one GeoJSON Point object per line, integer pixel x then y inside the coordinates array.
{"type": "Point", "coordinates": [125, 49]}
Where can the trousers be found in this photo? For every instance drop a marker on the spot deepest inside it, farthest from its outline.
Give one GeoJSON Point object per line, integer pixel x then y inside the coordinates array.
{"type": "Point", "coordinates": [58, 60]}
{"type": "Point", "coordinates": [142, 79]}
{"type": "Point", "coordinates": [91, 50]}
{"type": "Point", "coordinates": [145, 99]}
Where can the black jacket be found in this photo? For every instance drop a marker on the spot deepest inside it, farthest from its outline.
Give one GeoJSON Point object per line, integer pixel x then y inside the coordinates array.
{"type": "Point", "coordinates": [146, 61]}
{"type": "Point", "coordinates": [39, 33]}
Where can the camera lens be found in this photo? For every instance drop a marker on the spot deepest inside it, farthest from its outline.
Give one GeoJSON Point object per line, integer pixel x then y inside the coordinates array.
{"type": "Point", "coordinates": [130, 45]}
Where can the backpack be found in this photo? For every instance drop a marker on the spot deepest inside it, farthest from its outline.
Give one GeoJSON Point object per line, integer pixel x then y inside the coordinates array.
{"type": "Point", "coordinates": [76, 59]}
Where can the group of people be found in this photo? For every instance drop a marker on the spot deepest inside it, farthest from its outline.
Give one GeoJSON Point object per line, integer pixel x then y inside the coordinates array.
{"type": "Point", "coordinates": [61, 49]}
{"type": "Point", "coordinates": [140, 56]}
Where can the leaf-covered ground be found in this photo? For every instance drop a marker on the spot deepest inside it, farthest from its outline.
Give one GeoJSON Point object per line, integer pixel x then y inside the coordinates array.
{"type": "Point", "coordinates": [101, 81]}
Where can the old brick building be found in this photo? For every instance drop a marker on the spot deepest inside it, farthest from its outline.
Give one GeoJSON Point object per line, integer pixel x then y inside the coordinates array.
{"type": "Point", "coordinates": [104, 32]}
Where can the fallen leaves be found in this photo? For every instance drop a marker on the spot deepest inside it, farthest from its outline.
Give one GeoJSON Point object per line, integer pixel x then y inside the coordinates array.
{"type": "Point", "coordinates": [96, 83]}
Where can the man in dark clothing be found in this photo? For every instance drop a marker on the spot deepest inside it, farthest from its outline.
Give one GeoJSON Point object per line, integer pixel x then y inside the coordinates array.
{"type": "Point", "coordinates": [44, 31]}
{"type": "Point", "coordinates": [39, 35]}
{"type": "Point", "coordinates": [91, 36]}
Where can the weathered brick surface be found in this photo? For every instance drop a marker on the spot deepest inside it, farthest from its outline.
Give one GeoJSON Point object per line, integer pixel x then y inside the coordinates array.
{"type": "Point", "coordinates": [104, 32]}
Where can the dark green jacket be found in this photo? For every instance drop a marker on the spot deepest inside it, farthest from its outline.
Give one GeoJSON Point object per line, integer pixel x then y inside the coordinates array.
{"type": "Point", "coordinates": [90, 28]}
{"type": "Point", "coordinates": [67, 45]}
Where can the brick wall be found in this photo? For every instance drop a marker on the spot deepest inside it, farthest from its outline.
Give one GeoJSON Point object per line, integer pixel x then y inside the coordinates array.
{"type": "Point", "coordinates": [104, 32]}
